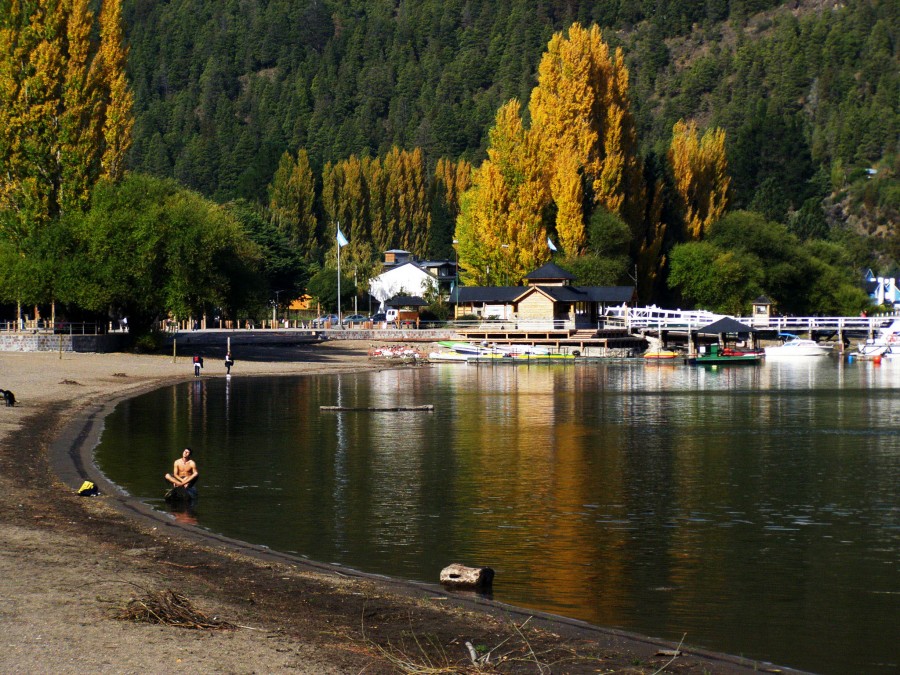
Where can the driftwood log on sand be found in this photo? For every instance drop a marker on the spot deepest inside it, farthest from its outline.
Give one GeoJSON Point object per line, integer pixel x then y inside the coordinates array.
{"type": "Point", "coordinates": [460, 576]}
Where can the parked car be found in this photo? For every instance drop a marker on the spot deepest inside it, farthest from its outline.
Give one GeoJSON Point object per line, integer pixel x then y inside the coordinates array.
{"type": "Point", "coordinates": [378, 317]}
{"type": "Point", "coordinates": [354, 319]}
{"type": "Point", "coordinates": [320, 321]}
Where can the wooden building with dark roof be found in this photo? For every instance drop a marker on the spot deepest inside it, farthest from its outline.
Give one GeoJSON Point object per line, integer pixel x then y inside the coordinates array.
{"type": "Point", "coordinates": [549, 297]}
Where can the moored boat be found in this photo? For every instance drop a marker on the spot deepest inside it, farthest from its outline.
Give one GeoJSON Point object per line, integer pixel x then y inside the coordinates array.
{"type": "Point", "coordinates": [714, 355]}
{"type": "Point", "coordinates": [885, 344]}
{"type": "Point", "coordinates": [660, 355]}
{"type": "Point", "coordinates": [485, 349]}
{"type": "Point", "coordinates": [797, 348]}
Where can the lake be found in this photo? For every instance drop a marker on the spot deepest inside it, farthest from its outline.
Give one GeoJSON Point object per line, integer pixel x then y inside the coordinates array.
{"type": "Point", "coordinates": [751, 509]}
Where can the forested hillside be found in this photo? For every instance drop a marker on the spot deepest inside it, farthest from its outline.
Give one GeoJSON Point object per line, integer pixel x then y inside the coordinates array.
{"type": "Point", "coordinates": [708, 152]}
{"type": "Point", "coordinates": [806, 91]}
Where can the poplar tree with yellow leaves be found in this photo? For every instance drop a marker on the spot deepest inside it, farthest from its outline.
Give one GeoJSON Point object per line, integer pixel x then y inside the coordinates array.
{"type": "Point", "coordinates": [579, 155]}
{"type": "Point", "coordinates": [292, 196]}
{"type": "Point", "coordinates": [345, 201]}
{"type": "Point", "coordinates": [65, 122]}
{"type": "Point", "coordinates": [501, 230]}
{"type": "Point", "coordinates": [700, 177]}
{"type": "Point", "coordinates": [117, 97]}
{"type": "Point", "coordinates": [581, 108]}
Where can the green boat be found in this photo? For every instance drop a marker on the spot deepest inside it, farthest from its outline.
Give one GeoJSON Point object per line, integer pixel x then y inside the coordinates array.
{"type": "Point", "coordinates": [717, 356]}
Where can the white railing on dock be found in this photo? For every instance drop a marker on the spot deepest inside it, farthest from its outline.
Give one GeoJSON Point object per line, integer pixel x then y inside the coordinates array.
{"type": "Point", "coordinates": [655, 318]}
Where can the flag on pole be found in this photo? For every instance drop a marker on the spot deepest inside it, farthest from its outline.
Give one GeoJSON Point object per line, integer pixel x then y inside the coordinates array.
{"type": "Point", "coordinates": [550, 245]}
{"type": "Point", "coordinates": [341, 239]}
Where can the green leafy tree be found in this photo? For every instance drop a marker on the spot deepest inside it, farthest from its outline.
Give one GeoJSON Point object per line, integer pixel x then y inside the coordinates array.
{"type": "Point", "coordinates": [746, 255]}
{"type": "Point", "coordinates": [148, 248]}
{"type": "Point", "coordinates": [323, 286]}
{"type": "Point", "coordinates": [284, 270]}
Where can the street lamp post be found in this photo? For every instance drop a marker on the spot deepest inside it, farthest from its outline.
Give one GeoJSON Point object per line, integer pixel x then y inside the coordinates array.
{"type": "Point", "coordinates": [275, 306]}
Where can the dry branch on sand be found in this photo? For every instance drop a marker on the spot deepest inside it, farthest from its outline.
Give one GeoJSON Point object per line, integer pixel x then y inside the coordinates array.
{"type": "Point", "coordinates": [171, 609]}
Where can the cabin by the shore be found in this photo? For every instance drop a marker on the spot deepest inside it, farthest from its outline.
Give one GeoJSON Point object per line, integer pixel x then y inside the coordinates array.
{"type": "Point", "coordinates": [547, 297]}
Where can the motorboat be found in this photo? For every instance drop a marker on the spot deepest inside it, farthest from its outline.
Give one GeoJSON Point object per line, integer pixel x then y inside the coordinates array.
{"type": "Point", "coordinates": [797, 348]}
{"type": "Point", "coordinates": [885, 344]}
{"type": "Point", "coordinates": [715, 355]}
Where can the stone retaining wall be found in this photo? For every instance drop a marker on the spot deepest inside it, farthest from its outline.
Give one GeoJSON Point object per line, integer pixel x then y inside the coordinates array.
{"type": "Point", "coordinates": [48, 342]}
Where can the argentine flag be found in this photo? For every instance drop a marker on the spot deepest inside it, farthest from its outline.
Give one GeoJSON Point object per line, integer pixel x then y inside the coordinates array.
{"type": "Point", "coordinates": [341, 239]}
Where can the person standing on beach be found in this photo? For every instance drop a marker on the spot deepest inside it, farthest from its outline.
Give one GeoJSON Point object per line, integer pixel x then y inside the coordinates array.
{"type": "Point", "coordinates": [229, 361]}
{"type": "Point", "coordinates": [198, 364]}
{"type": "Point", "coordinates": [184, 472]}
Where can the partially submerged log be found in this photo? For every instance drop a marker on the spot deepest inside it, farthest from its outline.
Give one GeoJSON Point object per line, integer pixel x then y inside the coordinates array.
{"type": "Point", "coordinates": [340, 408]}
{"type": "Point", "coordinates": [460, 576]}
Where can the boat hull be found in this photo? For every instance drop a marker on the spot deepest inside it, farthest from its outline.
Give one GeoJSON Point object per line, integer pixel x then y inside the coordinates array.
{"type": "Point", "coordinates": [663, 355]}
{"type": "Point", "coordinates": [797, 349]}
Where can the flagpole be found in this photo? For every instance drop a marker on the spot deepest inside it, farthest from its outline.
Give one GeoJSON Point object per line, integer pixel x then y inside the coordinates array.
{"type": "Point", "coordinates": [339, 247]}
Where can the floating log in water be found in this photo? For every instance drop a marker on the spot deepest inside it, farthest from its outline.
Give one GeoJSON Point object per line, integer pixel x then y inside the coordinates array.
{"type": "Point", "coordinates": [460, 576]}
{"type": "Point", "coordinates": [399, 408]}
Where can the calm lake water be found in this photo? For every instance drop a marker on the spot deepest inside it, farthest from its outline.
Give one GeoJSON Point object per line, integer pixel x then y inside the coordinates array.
{"type": "Point", "coordinates": [753, 510]}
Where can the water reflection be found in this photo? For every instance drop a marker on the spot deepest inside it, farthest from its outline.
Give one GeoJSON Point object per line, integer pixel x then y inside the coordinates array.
{"type": "Point", "coordinates": [754, 508]}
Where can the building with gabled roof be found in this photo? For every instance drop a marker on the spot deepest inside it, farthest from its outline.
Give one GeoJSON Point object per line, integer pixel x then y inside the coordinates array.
{"type": "Point", "coordinates": [549, 296]}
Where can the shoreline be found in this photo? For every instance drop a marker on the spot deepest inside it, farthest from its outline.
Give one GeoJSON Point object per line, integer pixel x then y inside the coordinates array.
{"type": "Point", "coordinates": [303, 615]}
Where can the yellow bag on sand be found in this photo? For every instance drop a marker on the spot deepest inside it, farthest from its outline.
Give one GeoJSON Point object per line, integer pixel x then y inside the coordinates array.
{"type": "Point", "coordinates": [88, 489]}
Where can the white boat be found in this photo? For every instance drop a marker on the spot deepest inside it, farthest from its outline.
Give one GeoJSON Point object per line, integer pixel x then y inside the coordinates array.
{"type": "Point", "coordinates": [886, 343]}
{"type": "Point", "coordinates": [797, 348]}
{"type": "Point", "coordinates": [485, 349]}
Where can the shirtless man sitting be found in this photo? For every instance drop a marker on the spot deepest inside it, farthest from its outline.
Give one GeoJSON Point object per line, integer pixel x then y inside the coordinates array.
{"type": "Point", "coordinates": [185, 471]}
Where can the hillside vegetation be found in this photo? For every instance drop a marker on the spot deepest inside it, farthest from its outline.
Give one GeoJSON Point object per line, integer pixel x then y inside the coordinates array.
{"type": "Point", "coordinates": [668, 143]}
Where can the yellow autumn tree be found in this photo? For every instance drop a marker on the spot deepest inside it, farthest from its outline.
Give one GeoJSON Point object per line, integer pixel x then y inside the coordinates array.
{"type": "Point", "coordinates": [380, 227]}
{"type": "Point", "coordinates": [568, 194]}
{"type": "Point", "coordinates": [500, 228]}
{"type": "Point", "coordinates": [700, 176]}
{"type": "Point", "coordinates": [292, 200]}
{"type": "Point", "coordinates": [344, 198]}
{"type": "Point", "coordinates": [118, 99]}
{"type": "Point", "coordinates": [581, 105]}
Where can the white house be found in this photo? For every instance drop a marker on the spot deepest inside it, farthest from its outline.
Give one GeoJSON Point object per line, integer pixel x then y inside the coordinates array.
{"type": "Point", "coordinates": [405, 279]}
{"type": "Point", "coordinates": [883, 290]}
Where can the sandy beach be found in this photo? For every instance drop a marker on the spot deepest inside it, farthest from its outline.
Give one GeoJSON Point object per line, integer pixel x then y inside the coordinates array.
{"type": "Point", "coordinates": [70, 564]}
